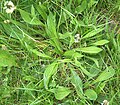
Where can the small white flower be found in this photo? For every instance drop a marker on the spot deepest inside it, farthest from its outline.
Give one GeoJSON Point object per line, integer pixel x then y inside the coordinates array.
{"type": "Point", "coordinates": [77, 38]}
{"type": "Point", "coordinates": [6, 21]}
{"type": "Point", "coordinates": [105, 102]}
{"type": "Point", "coordinates": [9, 7]}
{"type": "Point", "coordinates": [4, 47]}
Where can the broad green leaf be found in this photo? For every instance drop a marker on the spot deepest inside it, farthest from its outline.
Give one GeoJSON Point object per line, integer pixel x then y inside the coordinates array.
{"type": "Point", "coordinates": [91, 49]}
{"type": "Point", "coordinates": [101, 42]}
{"type": "Point", "coordinates": [100, 87]}
{"type": "Point", "coordinates": [106, 74]}
{"type": "Point", "coordinates": [61, 92]}
{"type": "Point", "coordinates": [94, 60]}
{"type": "Point", "coordinates": [49, 71]}
{"type": "Point", "coordinates": [69, 53]}
{"type": "Point", "coordinates": [91, 3]}
{"type": "Point", "coordinates": [93, 33]}
{"type": "Point", "coordinates": [42, 11]}
{"type": "Point", "coordinates": [81, 7]}
{"type": "Point", "coordinates": [39, 54]}
{"type": "Point", "coordinates": [65, 35]}
{"type": "Point", "coordinates": [91, 94]}
{"type": "Point", "coordinates": [77, 55]}
{"type": "Point", "coordinates": [78, 1]}
{"type": "Point", "coordinates": [6, 59]}
{"type": "Point", "coordinates": [77, 83]}
{"type": "Point", "coordinates": [28, 18]}
{"type": "Point", "coordinates": [82, 69]}
{"type": "Point", "coordinates": [72, 54]}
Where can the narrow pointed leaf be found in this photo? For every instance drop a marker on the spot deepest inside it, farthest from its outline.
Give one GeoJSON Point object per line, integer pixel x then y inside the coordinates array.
{"type": "Point", "coordinates": [52, 34]}
{"type": "Point", "coordinates": [82, 69]}
{"type": "Point", "coordinates": [28, 18]}
{"type": "Point", "coordinates": [101, 42]}
{"type": "Point", "coordinates": [77, 83]}
{"type": "Point", "coordinates": [93, 33]}
{"type": "Point", "coordinates": [91, 49]}
{"type": "Point", "coordinates": [39, 54]}
{"type": "Point", "coordinates": [106, 74]}
{"type": "Point", "coordinates": [33, 11]}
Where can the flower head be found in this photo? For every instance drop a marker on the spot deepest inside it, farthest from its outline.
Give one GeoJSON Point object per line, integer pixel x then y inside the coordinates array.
{"type": "Point", "coordinates": [6, 21]}
{"type": "Point", "coordinates": [9, 7]}
{"type": "Point", "coordinates": [105, 102]}
{"type": "Point", "coordinates": [77, 38]}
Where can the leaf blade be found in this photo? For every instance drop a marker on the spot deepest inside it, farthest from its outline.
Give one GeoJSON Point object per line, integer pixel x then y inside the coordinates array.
{"type": "Point", "coordinates": [61, 92]}
{"type": "Point", "coordinates": [91, 94]}
{"type": "Point", "coordinates": [91, 49]}
{"type": "Point", "coordinates": [93, 33]}
{"type": "Point", "coordinates": [77, 83]}
{"type": "Point", "coordinates": [49, 71]}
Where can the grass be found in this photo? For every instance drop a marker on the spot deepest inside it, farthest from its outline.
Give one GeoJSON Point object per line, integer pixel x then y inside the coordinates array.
{"type": "Point", "coordinates": [60, 53]}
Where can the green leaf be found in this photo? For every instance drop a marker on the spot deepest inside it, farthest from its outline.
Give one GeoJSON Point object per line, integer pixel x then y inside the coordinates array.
{"type": "Point", "coordinates": [49, 71]}
{"type": "Point", "coordinates": [52, 34]}
{"type": "Point", "coordinates": [39, 54]}
{"type": "Point", "coordinates": [28, 18]}
{"type": "Point", "coordinates": [61, 92]}
{"type": "Point", "coordinates": [91, 3]}
{"type": "Point", "coordinates": [106, 74]}
{"type": "Point", "coordinates": [72, 54]}
{"type": "Point", "coordinates": [69, 53]}
{"type": "Point", "coordinates": [101, 42]}
{"type": "Point", "coordinates": [42, 11]}
{"type": "Point", "coordinates": [77, 83]}
{"type": "Point", "coordinates": [77, 63]}
{"type": "Point", "coordinates": [91, 94]}
{"type": "Point", "coordinates": [93, 33]}
{"type": "Point", "coordinates": [93, 59]}
{"type": "Point", "coordinates": [81, 7]}
{"type": "Point", "coordinates": [51, 26]}
{"type": "Point", "coordinates": [33, 11]}
{"type": "Point", "coordinates": [91, 49]}
{"type": "Point", "coordinates": [6, 59]}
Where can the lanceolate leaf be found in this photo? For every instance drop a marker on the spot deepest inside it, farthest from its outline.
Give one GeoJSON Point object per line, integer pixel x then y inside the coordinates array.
{"type": "Point", "coordinates": [28, 18]}
{"type": "Point", "coordinates": [42, 11]}
{"type": "Point", "coordinates": [39, 54]}
{"type": "Point", "coordinates": [91, 49]}
{"type": "Point", "coordinates": [93, 33]}
{"type": "Point", "coordinates": [91, 94]}
{"type": "Point", "coordinates": [77, 82]}
{"type": "Point", "coordinates": [52, 34]}
{"type": "Point", "coordinates": [6, 59]}
{"type": "Point", "coordinates": [93, 59]}
{"type": "Point", "coordinates": [49, 71]}
{"type": "Point", "coordinates": [61, 92]}
{"type": "Point", "coordinates": [101, 42]}
{"type": "Point", "coordinates": [82, 69]}
{"type": "Point", "coordinates": [106, 74]}
{"type": "Point", "coordinates": [81, 7]}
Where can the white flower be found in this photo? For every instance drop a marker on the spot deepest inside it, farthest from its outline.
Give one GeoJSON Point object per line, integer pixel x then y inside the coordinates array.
{"type": "Point", "coordinates": [4, 47]}
{"type": "Point", "coordinates": [9, 7]}
{"type": "Point", "coordinates": [105, 102]}
{"type": "Point", "coordinates": [6, 21]}
{"type": "Point", "coordinates": [77, 38]}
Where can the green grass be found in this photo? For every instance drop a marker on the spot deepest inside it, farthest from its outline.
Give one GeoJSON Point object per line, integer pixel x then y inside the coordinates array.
{"type": "Point", "coordinates": [40, 62]}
